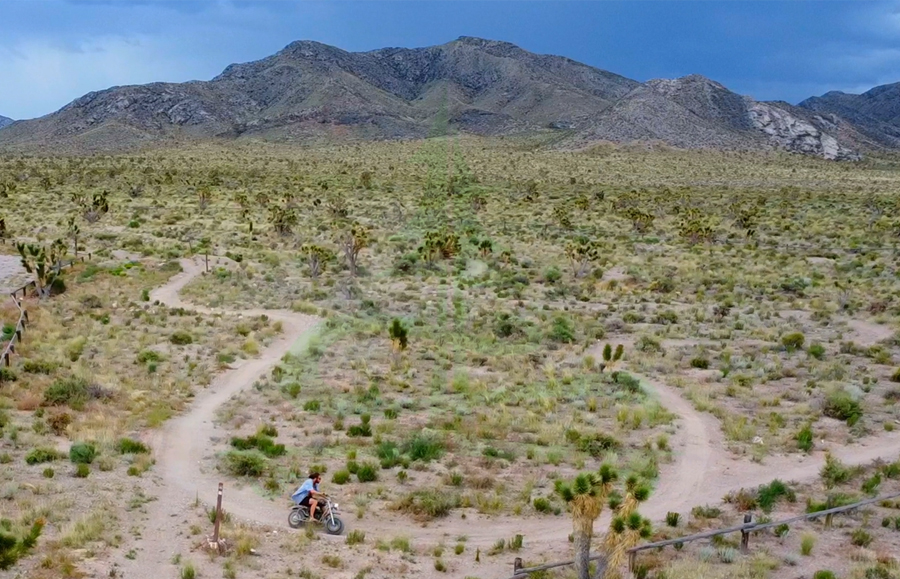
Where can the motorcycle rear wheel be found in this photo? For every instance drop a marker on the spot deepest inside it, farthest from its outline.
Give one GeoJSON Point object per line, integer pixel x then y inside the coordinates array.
{"type": "Point", "coordinates": [296, 519]}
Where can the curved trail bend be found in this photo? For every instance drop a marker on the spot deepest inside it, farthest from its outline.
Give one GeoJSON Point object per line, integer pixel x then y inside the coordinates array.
{"type": "Point", "coordinates": [702, 472]}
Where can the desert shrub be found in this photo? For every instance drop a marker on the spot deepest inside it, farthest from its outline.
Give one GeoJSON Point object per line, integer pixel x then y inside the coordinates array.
{"type": "Point", "coordinates": [367, 472]}
{"type": "Point", "coordinates": [260, 442]}
{"type": "Point", "coordinates": [542, 505]}
{"type": "Point", "coordinates": [427, 504]}
{"type": "Point", "coordinates": [769, 494]}
{"type": "Point", "coordinates": [82, 453]}
{"type": "Point", "coordinates": [706, 512]}
{"type": "Point", "coordinates": [181, 338]}
{"type": "Point", "coordinates": [561, 330]}
{"type": "Point", "coordinates": [356, 537]}
{"type": "Point", "coordinates": [816, 351]}
{"type": "Point", "coordinates": [131, 446]}
{"type": "Point", "coordinates": [311, 405]}
{"type": "Point", "coordinates": [424, 446]}
{"type": "Point", "coordinates": [145, 356]}
{"type": "Point", "coordinates": [834, 472]}
{"type": "Point", "coordinates": [597, 444]}
{"type": "Point", "coordinates": [388, 453]}
{"type": "Point", "coordinates": [793, 341]}
{"type": "Point", "coordinates": [341, 477]}
{"type": "Point", "coordinates": [74, 392]}
{"type": "Point", "coordinates": [7, 375]}
{"type": "Point", "coordinates": [860, 538]}
{"type": "Point", "coordinates": [42, 454]}
{"type": "Point", "coordinates": [245, 462]}
{"type": "Point", "coordinates": [824, 574]}
{"type": "Point", "coordinates": [807, 542]}
{"type": "Point", "coordinates": [82, 470]}
{"type": "Point", "coordinates": [841, 405]}
{"type": "Point", "coordinates": [363, 429]}
{"type": "Point", "coordinates": [699, 362]}
{"type": "Point", "coordinates": [628, 382]}
{"type": "Point", "coordinates": [805, 438]}
{"type": "Point", "coordinates": [672, 519]}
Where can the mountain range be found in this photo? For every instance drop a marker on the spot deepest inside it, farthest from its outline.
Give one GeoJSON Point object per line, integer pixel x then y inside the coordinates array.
{"type": "Point", "coordinates": [4, 121]}
{"type": "Point", "coordinates": [312, 92]}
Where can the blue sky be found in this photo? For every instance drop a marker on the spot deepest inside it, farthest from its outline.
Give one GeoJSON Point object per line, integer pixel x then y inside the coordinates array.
{"type": "Point", "coordinates": [53, 51]}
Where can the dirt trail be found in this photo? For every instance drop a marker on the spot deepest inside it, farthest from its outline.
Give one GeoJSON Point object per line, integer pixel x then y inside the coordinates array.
{"type": "Point", "coordinates": [703, 471]}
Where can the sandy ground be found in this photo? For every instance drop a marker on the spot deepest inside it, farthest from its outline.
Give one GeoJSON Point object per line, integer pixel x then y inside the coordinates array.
{"type": "Point", "coordinates": [702, 472]}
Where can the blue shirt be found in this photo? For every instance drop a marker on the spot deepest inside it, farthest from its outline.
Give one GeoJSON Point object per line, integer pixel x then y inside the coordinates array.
{"type": "Point", "coordinates": [304, 490]}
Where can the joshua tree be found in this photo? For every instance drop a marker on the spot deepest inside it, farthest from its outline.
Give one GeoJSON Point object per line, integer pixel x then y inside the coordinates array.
{"type": "Point", "coordinates": [398, 333]}
{"type": "Point", "coordinates": [439, 245]}
{"type": "Point", "coordinates": [283, 218]}
{"type": "Point", "coordinates": [626, 529]}
{"type": "Point", "coordinates": [315, 257]}
{"type": "Point", "coordinates": [44, 264]}
{"type": "Point", "coordinates": [586, 495]}
{"type": "Point", "coordinates": [582, 252]}
{"type": "Point", "coordinates": [640, 220]}
{"type": "Point", "coordinates": [352, 239]}
{"type": "Point", "coordinates": [92, 208]}
{"type": "Point", "coordinates": [610, 358]}
{"type": "Point", "coordinates": [73, 231]}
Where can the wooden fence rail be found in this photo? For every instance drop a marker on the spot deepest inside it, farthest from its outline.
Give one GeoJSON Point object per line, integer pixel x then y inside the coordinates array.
{"type": "Point", "coordinates": [22, 322]}
{"type": "Point", "coordinates": [744, 529]}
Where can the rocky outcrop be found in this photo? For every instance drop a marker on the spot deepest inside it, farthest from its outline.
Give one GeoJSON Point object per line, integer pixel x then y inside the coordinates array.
{"type": "Point", "coordinates": [794, 134]}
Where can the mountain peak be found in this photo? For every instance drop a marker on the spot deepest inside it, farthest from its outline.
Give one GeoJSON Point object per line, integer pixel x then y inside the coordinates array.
{"type": "Point", "coordinates": [310, 91]}
{"type": "Point", "coordinates": [4, 121]}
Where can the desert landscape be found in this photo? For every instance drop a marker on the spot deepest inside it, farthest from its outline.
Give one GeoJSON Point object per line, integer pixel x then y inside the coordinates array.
{"type": "Point", "coordinates": [516, 312]}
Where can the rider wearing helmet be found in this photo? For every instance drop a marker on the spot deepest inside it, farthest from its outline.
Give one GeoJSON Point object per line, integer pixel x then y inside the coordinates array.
{"type": "Point", "coordinates": [308, 494]}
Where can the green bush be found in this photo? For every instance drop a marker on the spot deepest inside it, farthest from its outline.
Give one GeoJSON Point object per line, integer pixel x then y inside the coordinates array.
{"type": "Point", "coordinates": [82, 453]}
{"type": "Point", "coordinates": [824, 574]}
{"type": "Point", "coordinates": [805, 438]}
{"type": "Point", "coordinates": [792, 342]}
{"type": "Point", "coordinates": [82, 470]}
{"type": "Point", "coordinates": [769, 494]}
{"type": "Point", "coordinates": [7, 375]}
{"type": "Point", "coordinates": [38, 367]}
{"type": "Point", "coordinates": [74, 392]}
{"type": "Point", "coordinates": [841, 405]}
{"type": "Point", "coordinates": [42, 454]}
{"type": "Point", "coordinates": [424, 446]}
{"type": "Point", "coordinates": [181, 338]}
{"type": "Point", "coordinates": [367, 472]}
{"type": "Point", "coordinates": [701, 363]}
{"type": "Point", "coordinates": [816, 351]}
{"type": "Point", "coordinates": [246, 462]}
{"type": "Point", "coordinates": [561, 330]}
{"type": "Point", "coordinates": [341, 477]}
{"type": "Point", "coordinates": [672, 519]}
{"type": "Point", "coordinates": [542, 505]}
{"type": "Point", "coordinates": [860, 538]}
{"type": "Point", "coordinates": [895, 377]}
{"type": "Point", "coordinates": [388, 453]}
{"type": "Point", "coordinates": [131, 446]}
{"type": "Point", "coordinates": [427, 504]}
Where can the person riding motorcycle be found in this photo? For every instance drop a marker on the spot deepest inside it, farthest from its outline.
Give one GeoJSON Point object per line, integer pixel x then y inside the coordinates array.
{"type": "Point", "coordinates": [308, 494]}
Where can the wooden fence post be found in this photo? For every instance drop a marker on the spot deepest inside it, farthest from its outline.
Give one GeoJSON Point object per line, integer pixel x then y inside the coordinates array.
{"type": "Point", "coordinates": [745, 535]}
{"type": "Point", "coordinates": [517, 565]}
{"type": "Point", "coordinates": [632, 559]}
{"type": "Point", "coordinates": [218, 517]}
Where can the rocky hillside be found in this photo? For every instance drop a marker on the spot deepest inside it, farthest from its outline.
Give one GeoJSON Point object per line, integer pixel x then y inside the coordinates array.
{"type": "Point", "coordinates": [310, 91]}
{"type": "Point", "coordinates": [4, 121]}
{"type": "Point", "coordinates": [874, 114]}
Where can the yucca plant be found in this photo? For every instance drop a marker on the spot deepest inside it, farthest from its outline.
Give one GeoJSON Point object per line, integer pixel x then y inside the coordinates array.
{"type": "Point", "coordinates": [586, 495]}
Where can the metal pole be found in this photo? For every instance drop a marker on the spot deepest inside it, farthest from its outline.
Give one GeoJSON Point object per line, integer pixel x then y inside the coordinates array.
{"type": "Point", "coordinates": [218, 516]}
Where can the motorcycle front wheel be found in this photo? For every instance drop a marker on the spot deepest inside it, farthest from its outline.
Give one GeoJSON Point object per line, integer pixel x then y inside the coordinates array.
{"type": "Point", "coordinates": [334, 526]}
{"type": "Point", "coordinates": [296, 519]}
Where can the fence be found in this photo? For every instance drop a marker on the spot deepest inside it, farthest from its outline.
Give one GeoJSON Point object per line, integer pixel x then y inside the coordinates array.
{"type": "Point", "coordinates": [22, 322]}
{"type": "Point", "coordinates": [744, 529]}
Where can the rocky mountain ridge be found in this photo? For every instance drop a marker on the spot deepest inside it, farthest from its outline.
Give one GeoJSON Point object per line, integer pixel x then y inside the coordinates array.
{"type": "Point", "coordinates": [311, 92]}
{"type": "Point", "coordinates": [4, 121]}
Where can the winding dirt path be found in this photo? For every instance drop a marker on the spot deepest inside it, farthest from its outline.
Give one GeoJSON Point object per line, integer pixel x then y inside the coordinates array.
{"type": "Point", "coordinates": [702, 471]}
